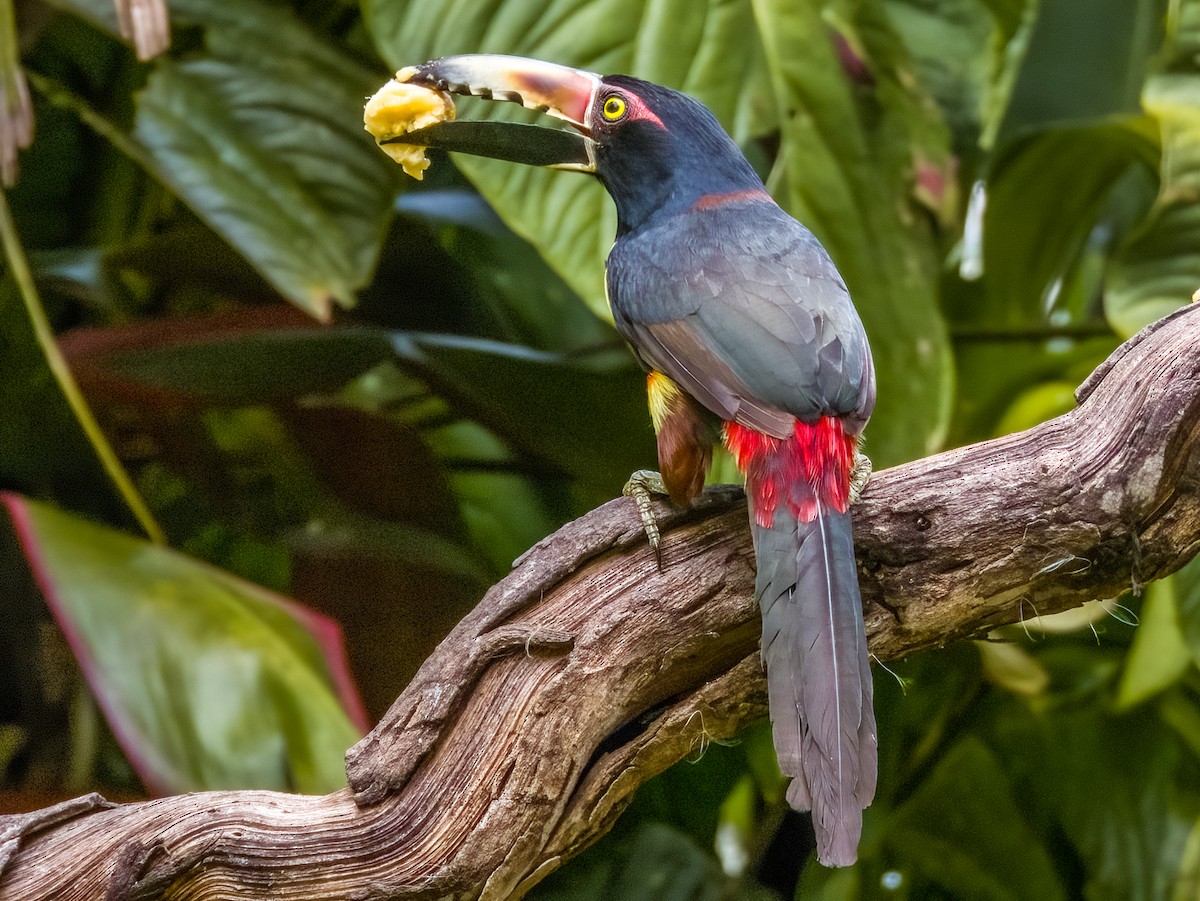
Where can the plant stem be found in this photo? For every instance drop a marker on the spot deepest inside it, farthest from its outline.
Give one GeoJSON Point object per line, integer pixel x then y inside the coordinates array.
{"type": "Point", "coordinates": [19, 268]}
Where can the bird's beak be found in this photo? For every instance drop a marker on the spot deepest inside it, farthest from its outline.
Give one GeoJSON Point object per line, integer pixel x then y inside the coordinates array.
{"type": "Point", "coordinates": [559, 91]}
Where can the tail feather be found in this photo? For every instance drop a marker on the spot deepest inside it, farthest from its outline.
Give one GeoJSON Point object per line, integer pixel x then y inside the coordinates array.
{"type": "Point", "coordinates": [818, 673]}
{"type": "Point", "coordinates": [813, 645]}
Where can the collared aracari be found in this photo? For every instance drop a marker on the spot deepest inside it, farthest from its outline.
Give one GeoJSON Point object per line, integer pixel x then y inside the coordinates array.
{"type": "Point", "coordinates": [747, 332]}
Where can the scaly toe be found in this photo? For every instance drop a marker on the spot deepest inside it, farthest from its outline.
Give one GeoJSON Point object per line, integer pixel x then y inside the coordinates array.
{"type": "Point", "coordinates": [641, 486]}
{"type": "Point", "coordinates": [860, 476]}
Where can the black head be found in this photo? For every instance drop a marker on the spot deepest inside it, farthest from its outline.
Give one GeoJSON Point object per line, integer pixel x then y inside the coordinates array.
{"type": "Point", "coordinates": [660, 151]}
{"type": "Point", "coordinates": [656, 150]}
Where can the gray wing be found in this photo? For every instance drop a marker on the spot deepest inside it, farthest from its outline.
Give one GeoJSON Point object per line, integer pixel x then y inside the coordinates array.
{"type": "Point", "coordinates": [743, 308]}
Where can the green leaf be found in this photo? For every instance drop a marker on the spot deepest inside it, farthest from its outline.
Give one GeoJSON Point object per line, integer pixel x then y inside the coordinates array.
{"type": "Point", "coordinates": [1187, 587]}
{"type": "Point", "coordinates": [1036, 405]}
{"type": "Point", "coordinates": [1156, 273]}
{"type": "Point", "coordinates": [951, 46]}
{"type": "Point", "coordinates": [706, 48]}
{"type": "Point", "coordinates": [268, 148]}
{"type": "Point", "coordinates": [532, 400]}
{"type": "Point", "coordinates": [830, 884]}
{"type": "Point", "coordinates": [1180, 711]}
{"type": "Point", "coordinates": [1159, 269]}
{"type": "Point", "coordinates": [101, 13]}
{"type": "Point", "coordinates": [1085, 61]}
{"type": "Point", "coordinates": [654, 863]}
{"type": "Point", "coordinates": [1119, 788]}
{"type": "Point", "coordinates": [1031, 245]}
{"type": "Point", "coordinates": [245, 365]}
{"type": "Point", "coordinates": [473, 403]}
{"type": "Point", "coordinates": [845, 174]}
{"type": "Point", "coordinates": [207, 681]}
{"type": "Point", "coordinates": [732, 56]}
{"type": "Point", "coordinates": [737, 819]}
{"type": "Point", "coordinates": [528, 300]}
{"type": "Point", "coordinates": [1005, 376]}
{"type": "Point", "coordinates": [1159, 655]}
{"type": "Point", "coordinates": [1012, 668]}
{"type": "Point", "coordinates": [1014, 23]}
{"type": "Point", "coordinates": [1189, 868]}
{"type": "Point", "coordinates": [962, 830]}
{"type": "Point", "coordinates": [1008, 13]}
{"type": "Point", "coordinates": [1063, 123]}
{"type": "Point", "coordinates": [12, 740]}
{"type": "Point", "coordinates": [506, 512]}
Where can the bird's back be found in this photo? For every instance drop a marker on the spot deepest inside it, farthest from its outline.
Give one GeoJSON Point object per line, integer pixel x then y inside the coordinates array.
{"type": "Point", "coordinates": [741, 305]}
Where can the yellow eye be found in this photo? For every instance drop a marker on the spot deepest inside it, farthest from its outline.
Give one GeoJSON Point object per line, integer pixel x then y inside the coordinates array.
{"type": "Point", "coordinates": [614, 108]}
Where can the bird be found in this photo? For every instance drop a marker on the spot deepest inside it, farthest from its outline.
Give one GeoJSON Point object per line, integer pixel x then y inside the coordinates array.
{"type": "Point", "coordinates": [748, 335]}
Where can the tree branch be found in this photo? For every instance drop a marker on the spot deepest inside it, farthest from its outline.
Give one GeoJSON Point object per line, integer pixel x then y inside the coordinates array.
{"type": "Point", "coordinates": [588, 669]}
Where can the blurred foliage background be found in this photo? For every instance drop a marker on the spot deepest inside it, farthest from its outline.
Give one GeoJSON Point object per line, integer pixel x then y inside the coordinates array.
{"type": "Point", "coordinates": [244, 362]}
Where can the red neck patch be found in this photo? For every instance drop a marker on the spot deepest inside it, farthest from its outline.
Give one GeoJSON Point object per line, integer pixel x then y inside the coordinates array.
{"type": "Point", "coordinates": [746, 195]}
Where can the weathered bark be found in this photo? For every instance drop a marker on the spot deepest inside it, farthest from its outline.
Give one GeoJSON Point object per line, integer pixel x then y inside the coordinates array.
{"type": "Point", "coordinates": [589, 669]}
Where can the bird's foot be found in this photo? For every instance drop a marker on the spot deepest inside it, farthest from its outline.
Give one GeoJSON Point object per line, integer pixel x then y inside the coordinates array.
{"type": "Point", "coordinates": [860, 475]}
{"type": "Point", "coordinates": [641, 485]}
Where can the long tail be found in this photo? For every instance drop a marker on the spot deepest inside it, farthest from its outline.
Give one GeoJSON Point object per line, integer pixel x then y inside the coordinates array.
{"type": "Point", "coordinates": [813, 645]}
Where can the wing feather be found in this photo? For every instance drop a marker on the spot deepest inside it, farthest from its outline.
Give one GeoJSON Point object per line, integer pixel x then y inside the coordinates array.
{"type": "Point", "coordinates": [744, 309]}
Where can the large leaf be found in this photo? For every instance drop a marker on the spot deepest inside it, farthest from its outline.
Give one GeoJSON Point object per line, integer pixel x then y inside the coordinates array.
{"type": "Point", "coordinates": [1160, 654]}
{"type": "Point", "coordinates": [845, 178]}
{"type": "Point", "coordinates": [1187, 589]}
{"type": "Point", "coordinates": [1008, 13]}
{"type": "Point", "coordinates": [533, 400]}
{"type": "Point", "coordinates": [949, 41]}
{"type": "Point", "coordinates": [1064, 124]}
{"type": "Point", "coordinates": [708, 49]}
{"type": "Point", "coordinates": [101, 13]}
{"type": "Point", "coordinates": [257, 365]}
{"type": "Point", "coordinates": [1160, 268]}
{"type": "Point", "coordinates": [962, 831]}
{"type": "Point", "coordinates": [653, 863]}
{"type": "Point", "coordinates": [515, 431]}
{"type": "Point", "coordinates": [756, 64]}
{"type": "Point", "coordinates": [1000, 372]}
{"type": "Point", "coordinates": [583, 415]}
{"type": "Point", "coordinates": [1085, 60]}
{"type": "Point", "coordinates": [207, 681]}
{"type": "Point", "coordinates": [268, 148]}
{"type": "Point", "coordinates": [1045, 196]}
{"type": "Point", "coordinates": [528, 301]}
{"type": "Point", "coordinates": [1121, 789]}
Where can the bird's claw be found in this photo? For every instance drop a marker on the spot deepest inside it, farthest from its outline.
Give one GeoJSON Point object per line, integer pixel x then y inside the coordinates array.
{"type": "Point", "coordinates": [860, 475]}
{"type": "Point", "coordinates": [641, 485]}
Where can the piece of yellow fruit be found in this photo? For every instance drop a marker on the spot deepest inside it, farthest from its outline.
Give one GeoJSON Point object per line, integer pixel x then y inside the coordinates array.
{"type": "Point", "coordinates": [398, 108]}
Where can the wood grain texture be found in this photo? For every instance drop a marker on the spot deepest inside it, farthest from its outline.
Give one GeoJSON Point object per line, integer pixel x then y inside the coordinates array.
{"type": "Point", "coordinates": [588, 669]}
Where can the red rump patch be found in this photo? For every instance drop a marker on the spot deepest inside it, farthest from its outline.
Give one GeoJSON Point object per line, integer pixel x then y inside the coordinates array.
{"type": "Point", "coordinates": [812, 464]}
